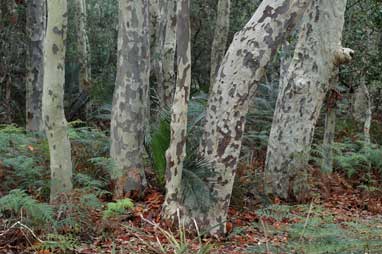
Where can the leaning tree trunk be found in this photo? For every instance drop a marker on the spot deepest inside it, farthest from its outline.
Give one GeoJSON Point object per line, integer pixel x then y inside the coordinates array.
{"type": "Point", "coordinates": [219, 43]}
{"type": "Point", "coordinates": [83, 51]}
{"type": "Point", "coordinates": [318, 53]}
{"type": "Point", "coordinates": [131, 96]}
{"type": "Point", "coordinates": [36, 24]}
{"type": "Point", "coordinates": [53, 99]}
{"type": "Point", "coordinates": [177, 151]}
{"type": "Point", "coordinates": [239, 74]}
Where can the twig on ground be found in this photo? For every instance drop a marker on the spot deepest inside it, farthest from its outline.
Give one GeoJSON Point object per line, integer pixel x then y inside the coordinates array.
{"type": "Point", "coordinates": [266, 236]}
{"type": "Point", "coordinates": [23, 226]}
{"type": "Point", "coordinates": [306, 221]}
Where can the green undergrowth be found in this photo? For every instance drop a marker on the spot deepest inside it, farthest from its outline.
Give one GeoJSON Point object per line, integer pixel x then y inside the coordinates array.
{"type": "Point", "coordinates": [312, 230]}
{"type": "Point", "coordinates": [195, 191]}
{"type": "Point", "coordinates": [25, 178]}
{"type": "Point", "coordinates": [353, 156]}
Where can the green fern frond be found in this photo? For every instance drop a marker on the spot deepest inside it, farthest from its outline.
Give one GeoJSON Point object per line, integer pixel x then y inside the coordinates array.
{"type": "Point", "coordinates": [117, 208]}
{"type": "Point", "coordinates": [19, 203]}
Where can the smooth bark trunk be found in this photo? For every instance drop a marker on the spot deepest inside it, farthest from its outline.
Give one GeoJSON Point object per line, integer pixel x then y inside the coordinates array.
{"type": "Point", "coordinates": [219, 43]}
{"type": "Point", "coordinates": [169, 52]}
{"type": "Point", "coordinates": [53, 99]}
{"type": "Point", "coordinates": [330, 128]}
{"type": "Point", "coordinates": [130, 101]}
{"type": "Point", "coordinates": [362, 108]}
{"type": "Point", "coordinates": [36, 25]}
{"type": "Point", "coordinates": [164, 61]}
{"type": "Point", "coordinates": [317, 55]}
{"type": "Point", "coordinates": [239, 74]}
{"type": "Point", "coordinates": [83, 48]}
{"type": "Point", "coordinates": [177, 151]}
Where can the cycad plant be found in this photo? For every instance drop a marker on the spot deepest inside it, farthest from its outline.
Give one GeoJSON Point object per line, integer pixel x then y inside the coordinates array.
{"type": "Point", "coordinates": [195, 170]}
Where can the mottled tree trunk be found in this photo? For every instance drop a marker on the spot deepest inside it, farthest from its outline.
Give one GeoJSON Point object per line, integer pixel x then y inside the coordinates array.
{"type": "Point", "coordinates": [219, 43]}
{"type": "Point", "coordinates": [169, 46]}
{"type": "Point", "coordinates": [165, 45]}
{"type": "Point", "coordinates": [177, 151]}
{"type": "Point", "coordinates": [368, 116]}
{"type": "Point", "coordinates": [131, 95]}
{"type": "Point", "coordinates": [36, 24]}
{"type": "Point", "coordinates": [154, 16]}
{"type": "Point", "coordinates": [83, 49]}
{"type": "Point", "coordinates": [362, 107]}
{"type": "Point", "coordinates": [239, 74]}
{"type": "Point", "coordinates": [318, 53]}
{"type": "Point", "coordinates": [53, 99]}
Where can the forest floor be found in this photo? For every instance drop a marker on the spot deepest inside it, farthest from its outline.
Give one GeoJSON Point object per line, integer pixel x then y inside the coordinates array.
{"type": "Point", "coordinates": [344, 220]}
{"type": "Point", "coordinates": [341, 220]}
{"type": "Point", "coordinates": [343, 216]}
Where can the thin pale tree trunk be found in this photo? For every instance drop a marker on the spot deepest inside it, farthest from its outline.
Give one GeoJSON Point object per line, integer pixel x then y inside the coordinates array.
{"type": "Point", "coordinates": [330, 128]}
{"type": "Point", "coordinates": [169, 50]}
{"type": "Point", "coordinates": [164, 61]}
{"type": "Point", "coordinates": [53, 99]}
{"type": "Point", "coordinates": [317, 55]}
{"type": "Point", "coordinates": [219, 43]}
{"type": "Point", "coordinates": [177, 151]}
{"type": "Point", "coordinates": [130, 99]}
{"type": "Point", "coordinates": [36, 25]}
{"type": "Point", "coordinates": [368, 112]}
{"type": "Point", "coordinates": [239, 74]}
{"type": "Point", "coordinates": [83, 48]}
{"type": "Point", "coordinates": [361, 107]}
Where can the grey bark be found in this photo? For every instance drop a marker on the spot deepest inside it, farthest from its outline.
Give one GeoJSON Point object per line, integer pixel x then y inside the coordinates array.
{"type": "Point", "coordinates": [130, 99]}
{"type": "Point", "coordinates": [330, 128]}
{"type": "Point", "coordinates": [36, 25]}
{"type": "Point", "coordinates": [177, 151]}
{"type": "Point", "coordinates": [53, 99]}
{"type": "Point", "coordinates": [317, 55]}
{"type": "Point", "coordinates": [239, 74]}
{"type": "Point", "coordinates": [165, 45]}
{"type": "Point", "coordinates": [83, 48]}
{"type": "Point", "coordinates": [219, 42]}
{"type": "Point", "coordinates": [169, 46]}
{"type": "Point", "coordinates": [362, 108]}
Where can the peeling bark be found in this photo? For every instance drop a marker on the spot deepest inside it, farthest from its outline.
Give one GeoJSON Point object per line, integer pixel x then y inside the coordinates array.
{"type": "Point", "coordinates": [239, 74]}
{"type": "Point", "coordinates": [131, 96]}
{"type": "Point", "coordinates": [53, 99]}
{"type": "Point", "coordinates": [36, 24]}
{"type": "Point", "coordinates": [83, 48]}
{"type": "Point", "coordinates": [177, 151]}
{"type": "Point", "coordinates": [317, 55]}
{"type": "Point", "coordinates": [219, 43]}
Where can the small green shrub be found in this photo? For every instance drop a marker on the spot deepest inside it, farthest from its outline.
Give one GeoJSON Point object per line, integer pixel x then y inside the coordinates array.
{"type": "Point", "coordinates": [18, 205]}
{"type": "Point", "coordinates": [117, 208]}
{"type": "Point", "coordinates": [56, 243]}
{"type": "Point", "coordinates": [353, 157]}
